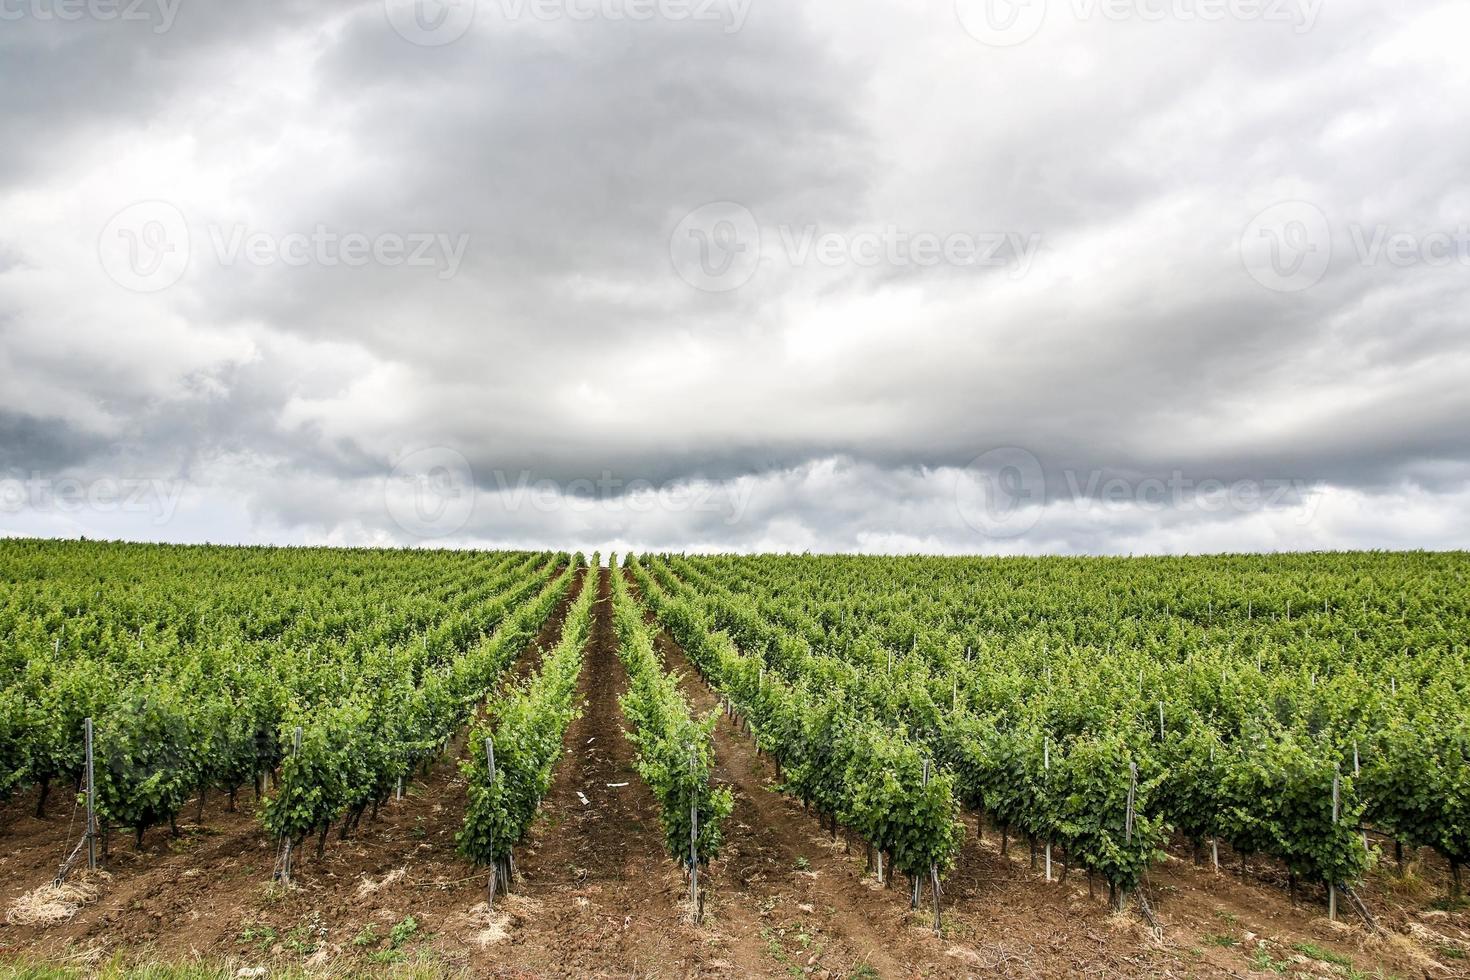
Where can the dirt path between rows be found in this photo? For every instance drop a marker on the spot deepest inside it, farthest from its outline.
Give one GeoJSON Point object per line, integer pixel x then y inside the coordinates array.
{"type": "Point", "coordinates": [781, 885]}
{"type": "Point", "coordinates": [1001, 918]}
{"type": "Point", "coordinates": [809, 900]}
{"type": "Point", "coordinates": [207, 894]}
{"type": "Point", "coordinates": [596, 894]}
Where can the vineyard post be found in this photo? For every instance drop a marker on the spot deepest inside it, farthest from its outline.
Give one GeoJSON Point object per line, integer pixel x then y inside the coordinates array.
{"type": "Point", "coordinates": [490, 781]}
{"type": "Point", "coordinates": [286, 861]}
{"type": "Point", "coordinates": [1128, 819]}
{"type": "Point", "coordinates": [1358, 771]}
{"type": "Point", "coordinates": [934, 874]}
{"type": "Point", "coordinates": [1132, 795]}
{"type": "Point", "coordinates": [694, 909]}
{"type": "Point", "coordinates": [919, 882]}
{"type": "Point", "coordinates": [1336, 813]}
{"type": "Point", "coordinates": [1046, 767]}
{"type": "Point", "coordinates": [938, 910]}
{"type": "Point", "coordinates": [91, 799]}
{"type": "Point", "coordinates": [1214, 838]}
{"type": "Point", "coordinates": [1161, 721]}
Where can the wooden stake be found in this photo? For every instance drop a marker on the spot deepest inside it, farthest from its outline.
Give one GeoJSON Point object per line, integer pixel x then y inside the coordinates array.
{"type": "Point", "coordinates": [694, 838]}
{"type": "Point", "coordinates": [1336, 815]}
{"type": "Point", "coordinates": [91, 798]}
{"type": "Point", "coordinates": [286, 863]}
{"type": "Point", "coordinates": [1046, 767]}
{"type": "Point", "coordinates": [1132, 795]}
{"type": "Point", "coordinates": [494, 865]}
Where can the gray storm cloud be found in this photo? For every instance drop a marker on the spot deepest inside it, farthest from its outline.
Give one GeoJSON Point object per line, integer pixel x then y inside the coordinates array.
{"type": "Point", "coordinates": [267, 253]}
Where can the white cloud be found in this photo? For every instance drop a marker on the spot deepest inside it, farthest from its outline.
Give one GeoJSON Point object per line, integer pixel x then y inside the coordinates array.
{"type": "Point", "coordinates": [841, 394]}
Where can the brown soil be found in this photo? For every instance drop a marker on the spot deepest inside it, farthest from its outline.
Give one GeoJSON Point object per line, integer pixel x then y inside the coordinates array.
{"type": "Point", "coordinates": [596, 895]}
{"type": "Point", "coordinates": [1003, 919]}
{"type": "Point", "coordinates": [207, 894]}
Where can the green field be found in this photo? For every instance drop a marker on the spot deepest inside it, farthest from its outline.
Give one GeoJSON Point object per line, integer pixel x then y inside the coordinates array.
{"type": "Point", "coordinates": [1307, 709]}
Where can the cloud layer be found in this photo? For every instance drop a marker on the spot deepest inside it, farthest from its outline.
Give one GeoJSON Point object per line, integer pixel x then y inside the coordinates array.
{"type": "Point", "coordinates": [730, 274]}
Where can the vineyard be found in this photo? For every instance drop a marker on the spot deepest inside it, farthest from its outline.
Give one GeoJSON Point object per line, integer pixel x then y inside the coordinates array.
{"type": "Point", "coordinates": [471, 762]}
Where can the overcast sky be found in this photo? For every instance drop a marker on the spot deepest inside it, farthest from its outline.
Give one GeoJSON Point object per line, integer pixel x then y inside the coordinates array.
{"type": "Point", "coordinates": [1057, 276]}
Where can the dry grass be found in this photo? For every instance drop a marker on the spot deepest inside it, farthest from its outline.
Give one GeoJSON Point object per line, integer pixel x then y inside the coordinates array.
{"type": "Point", "coordinates": [369, 887]}
{"type": "Point", "coordinates": [50, 904]}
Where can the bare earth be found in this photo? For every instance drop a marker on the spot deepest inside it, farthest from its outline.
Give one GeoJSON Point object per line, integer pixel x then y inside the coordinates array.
{"type": "Point", "coordinates": [597, 897]}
